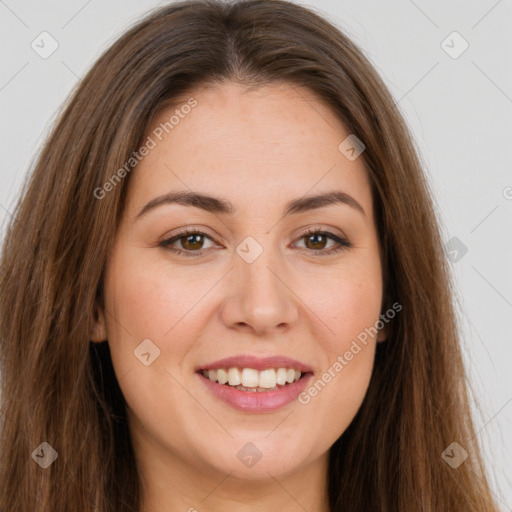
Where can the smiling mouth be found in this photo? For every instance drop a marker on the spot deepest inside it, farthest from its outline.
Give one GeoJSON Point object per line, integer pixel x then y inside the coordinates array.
{"type": "Point", "coordinates": [251, 380]}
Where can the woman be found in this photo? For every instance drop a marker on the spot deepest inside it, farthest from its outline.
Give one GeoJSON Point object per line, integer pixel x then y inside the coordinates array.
{"type": "Point", "coordinates": [224, 286]}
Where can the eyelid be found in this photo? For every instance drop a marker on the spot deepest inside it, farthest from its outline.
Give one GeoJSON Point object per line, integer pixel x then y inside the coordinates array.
{"type": "Point", "coordinates": [321, 229]}
{"type": "Point", "coordinates": [188, 230]}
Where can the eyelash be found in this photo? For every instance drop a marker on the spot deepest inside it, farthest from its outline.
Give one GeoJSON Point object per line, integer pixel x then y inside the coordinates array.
{"type": "Point", "coordinates": [166, 244]}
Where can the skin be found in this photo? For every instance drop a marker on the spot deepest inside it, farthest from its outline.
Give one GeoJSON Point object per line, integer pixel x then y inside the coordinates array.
{"type": "Point", "coordinates": [258, 148]}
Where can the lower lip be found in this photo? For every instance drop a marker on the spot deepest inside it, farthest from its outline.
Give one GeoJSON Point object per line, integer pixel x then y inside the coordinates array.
{"type": "Point", "coordinates": [256, 401]}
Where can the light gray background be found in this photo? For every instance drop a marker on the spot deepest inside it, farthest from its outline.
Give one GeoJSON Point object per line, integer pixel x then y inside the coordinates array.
{"type": "Point", "coordinates": [460, 111]}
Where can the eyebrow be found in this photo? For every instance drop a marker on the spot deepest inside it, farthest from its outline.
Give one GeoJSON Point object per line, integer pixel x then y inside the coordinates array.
{"type": "Point", "coordinates": [221, 206]}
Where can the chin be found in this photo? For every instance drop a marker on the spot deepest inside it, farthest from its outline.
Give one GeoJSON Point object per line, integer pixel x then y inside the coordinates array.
{"type": "Point", "coordinates": [258, 458]}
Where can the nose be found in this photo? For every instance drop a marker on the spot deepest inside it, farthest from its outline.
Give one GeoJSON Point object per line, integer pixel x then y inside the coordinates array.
{"type": "Point", "coordinates": [260, 296]}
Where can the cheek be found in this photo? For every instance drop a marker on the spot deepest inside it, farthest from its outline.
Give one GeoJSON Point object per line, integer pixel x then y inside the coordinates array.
{"type": "Point", "coordinates": [348, 307]}
{"type": "Point", "coordinates": [146, 301]}
{"type": "Point", "coordinates": [346, 302]}
{"type": "Point", "coordinates": [146, 304]}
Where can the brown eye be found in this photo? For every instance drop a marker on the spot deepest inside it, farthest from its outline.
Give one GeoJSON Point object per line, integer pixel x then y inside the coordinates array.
{"type": "Point", "coordinates": [192, 242]}
{"type": "Point", "coordinates": [316, 241]}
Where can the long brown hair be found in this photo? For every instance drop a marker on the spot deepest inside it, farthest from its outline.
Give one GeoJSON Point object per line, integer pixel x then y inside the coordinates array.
{"type": "Point", "coordinates": [59, 388]}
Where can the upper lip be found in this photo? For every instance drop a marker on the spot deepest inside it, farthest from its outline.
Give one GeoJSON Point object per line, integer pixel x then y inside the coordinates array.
{"type": "Point", "coordinates": [257, 363]}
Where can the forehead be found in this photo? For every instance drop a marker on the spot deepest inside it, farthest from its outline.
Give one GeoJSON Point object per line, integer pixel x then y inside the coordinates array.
{"type": "Point", "coordinates": [253, 143]}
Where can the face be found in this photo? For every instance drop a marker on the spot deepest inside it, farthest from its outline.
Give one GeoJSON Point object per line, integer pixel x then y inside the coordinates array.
{"type": "Point", "coordinates": [250, 284]}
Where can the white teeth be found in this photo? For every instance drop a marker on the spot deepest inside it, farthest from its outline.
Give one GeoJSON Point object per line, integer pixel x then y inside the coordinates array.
{"type": "Point", "coordinates": [234, 377]}
{"type": "Point", "coordinates": [268, 379]}
{"type": "Point", "coordinates": [249, 379]}
{"type": "Point", "coordinates": [281, 376]}
{"type": "Point", "coordinates": [222, 376]}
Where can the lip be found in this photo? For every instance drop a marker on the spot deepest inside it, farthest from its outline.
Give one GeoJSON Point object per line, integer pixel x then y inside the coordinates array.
{"type": "Point", "coordinates": [264, 401]}
{"type": "Point", "coordinates": [257, 363]}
